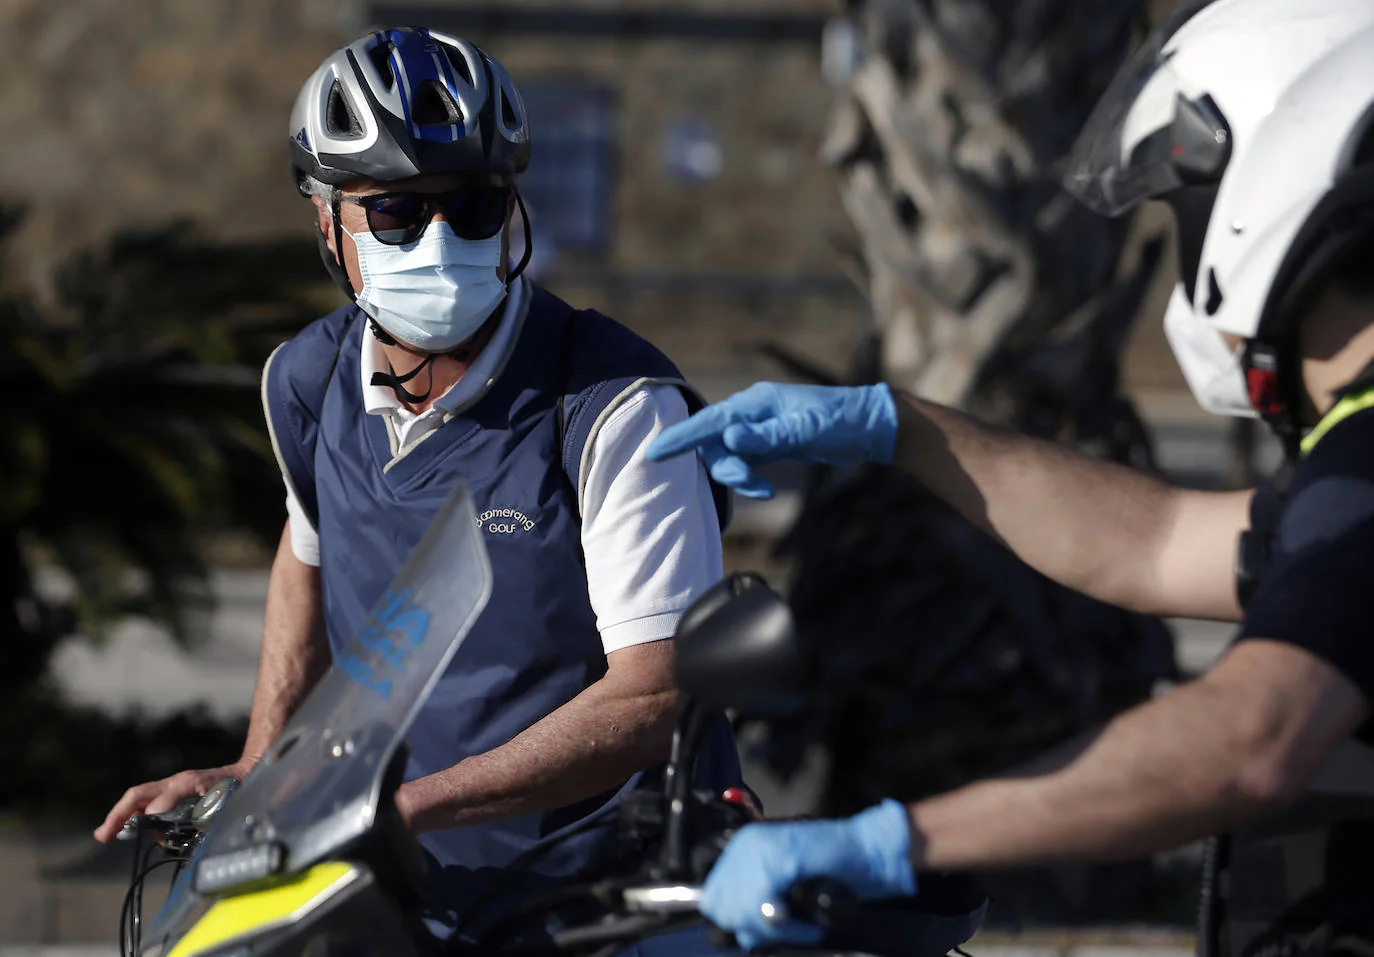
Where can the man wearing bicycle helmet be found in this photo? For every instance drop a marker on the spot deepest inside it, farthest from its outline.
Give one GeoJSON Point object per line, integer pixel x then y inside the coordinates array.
{"type": "Point", "coordinates": [446, 367]}
{"type": "Point", "coordinates": [1254, 121]}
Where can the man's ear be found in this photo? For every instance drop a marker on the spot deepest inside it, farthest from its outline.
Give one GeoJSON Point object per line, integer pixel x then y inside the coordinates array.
{"type": "Point", "coordinates": [326, 222]}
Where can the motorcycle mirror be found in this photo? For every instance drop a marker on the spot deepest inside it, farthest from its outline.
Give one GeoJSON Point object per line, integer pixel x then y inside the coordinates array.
{"type": "Point", "coordinates": [737, 648]}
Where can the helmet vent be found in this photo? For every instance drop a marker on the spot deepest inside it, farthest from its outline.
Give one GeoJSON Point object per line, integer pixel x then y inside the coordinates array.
{"type": "Point", "coordinates": [381, 59]}
{"type": "Point", "coordinates": [340, 120]}
{"type": "Point", "coordinates": [459, 64]}
{"type": "Point", "coordinates": [508, 116]}
{"type": "Point", "coordinates": [1214, 296]}
{"type": "Point", "coordinates": [433, 106]}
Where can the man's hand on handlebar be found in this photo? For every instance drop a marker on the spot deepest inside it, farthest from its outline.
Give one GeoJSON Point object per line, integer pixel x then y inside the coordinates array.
{"type": "Point", "coordinates": [155, 797]}
{"type": "Point", "coordinates": [747, 891]}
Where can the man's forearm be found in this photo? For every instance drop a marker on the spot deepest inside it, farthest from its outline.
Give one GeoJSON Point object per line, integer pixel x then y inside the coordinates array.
{"type": "Point", "coordinates": [589, 745]}
{"type": "Point", "coordinates": [1112, 532]}
{"type": "Point", "coordinates": [1218, 751]}
{"type": "Point", "coordinates": [295, 651]}
{"type": "Point", "coordinates": [1146, 783]}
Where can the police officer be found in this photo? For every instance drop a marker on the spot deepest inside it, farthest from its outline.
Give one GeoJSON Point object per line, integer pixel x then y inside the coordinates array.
{"type": "Point", "coordinates": [449, 367]}
{"type": "Point", "coordinates": [1254, 121]}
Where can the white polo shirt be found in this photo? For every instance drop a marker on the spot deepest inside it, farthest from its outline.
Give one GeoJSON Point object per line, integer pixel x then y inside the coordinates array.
{"type": "Point", "coordinates": [649, 529]}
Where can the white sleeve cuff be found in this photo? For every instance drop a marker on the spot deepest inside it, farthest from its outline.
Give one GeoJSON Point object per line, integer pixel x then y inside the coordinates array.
{"type": "Point", "coordinates": [640, 631]}
{"type": "Point", "coordinates": [305, 541]}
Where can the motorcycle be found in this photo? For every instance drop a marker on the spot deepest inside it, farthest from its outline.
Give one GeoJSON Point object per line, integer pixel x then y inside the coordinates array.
{"type": "Point", "coordinates": [309, 856]}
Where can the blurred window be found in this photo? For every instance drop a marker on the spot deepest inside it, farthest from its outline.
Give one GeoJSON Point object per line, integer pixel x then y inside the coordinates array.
{"type": "Point", "coordinates": [571, 175]}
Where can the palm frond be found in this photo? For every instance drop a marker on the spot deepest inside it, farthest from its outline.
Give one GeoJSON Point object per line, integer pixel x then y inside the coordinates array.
{"type": "Point", "coordinates": [132, 426]}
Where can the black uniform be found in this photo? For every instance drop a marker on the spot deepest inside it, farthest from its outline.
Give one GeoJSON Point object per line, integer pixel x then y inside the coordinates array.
{"type": "Point", "coordinates": [1302, 882]}
{"type": "Point", "coordinates": [1318, 590]}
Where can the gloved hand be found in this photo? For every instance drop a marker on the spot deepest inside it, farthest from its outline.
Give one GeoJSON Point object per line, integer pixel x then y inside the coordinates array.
{"type": "Point", "coordinates": [868, 853]}
{"type": "Point", "coordinates": [769, 421]}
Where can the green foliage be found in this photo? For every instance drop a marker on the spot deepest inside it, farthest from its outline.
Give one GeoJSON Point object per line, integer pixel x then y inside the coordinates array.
{"type": "Point", "coordinates": [66, 765]}
{"type": "Point", "coordinates": [130, 428]}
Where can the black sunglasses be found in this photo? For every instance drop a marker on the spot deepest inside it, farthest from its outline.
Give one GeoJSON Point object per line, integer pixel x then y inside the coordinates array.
{"type": "Point", "coordinates": [473, 212]}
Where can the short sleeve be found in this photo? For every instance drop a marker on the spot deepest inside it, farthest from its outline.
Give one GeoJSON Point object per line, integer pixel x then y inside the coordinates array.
{"type": "Point", "coordinates": [305, 541]}
{"type": "Point", "coordinates": [649, 529]}
{"type": "Point", "coordinates": [1317, 592]}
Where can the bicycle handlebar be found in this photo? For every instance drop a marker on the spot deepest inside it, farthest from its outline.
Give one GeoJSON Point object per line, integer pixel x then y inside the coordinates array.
{"type": "Point", "coordinates": [891, 927]}
{"type": "Point", "coordinates": [186, 822]}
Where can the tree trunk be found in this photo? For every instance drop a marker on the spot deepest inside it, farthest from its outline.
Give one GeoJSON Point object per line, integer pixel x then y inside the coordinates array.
{"type": "Point", "coordinates": [948, 148]}
{"type": "Point", "coordinates": [991, 290]}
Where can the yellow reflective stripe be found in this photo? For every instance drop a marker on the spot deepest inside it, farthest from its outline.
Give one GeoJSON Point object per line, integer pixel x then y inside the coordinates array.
{"type": "Point", "coordinates": [1341, 411]}
{"type": "Point", "coordinates": [278, 903]}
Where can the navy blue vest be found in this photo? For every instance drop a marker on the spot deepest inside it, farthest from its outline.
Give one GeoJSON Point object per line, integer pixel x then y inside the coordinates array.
{"type": "Point", "coordinates": [536, 645]}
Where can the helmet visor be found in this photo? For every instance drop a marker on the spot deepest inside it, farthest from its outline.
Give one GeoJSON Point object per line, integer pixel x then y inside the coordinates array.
{"type": "Point", "coordinates": [1147, 136]}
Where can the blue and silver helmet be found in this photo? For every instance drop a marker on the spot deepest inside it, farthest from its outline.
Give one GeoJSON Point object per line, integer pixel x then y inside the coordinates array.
{"type": "Point", "coordinates": [406, 102]}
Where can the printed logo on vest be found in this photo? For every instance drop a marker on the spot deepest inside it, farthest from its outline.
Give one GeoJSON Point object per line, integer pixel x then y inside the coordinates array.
{"type": "Point", "coordinates": [505, 521]}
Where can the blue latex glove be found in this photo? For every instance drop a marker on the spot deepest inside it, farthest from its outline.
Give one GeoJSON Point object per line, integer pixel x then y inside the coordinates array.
{"type": "Point", "coordinates": [868, 853]}
{"type": "Point", "coordinates": [769, 421]}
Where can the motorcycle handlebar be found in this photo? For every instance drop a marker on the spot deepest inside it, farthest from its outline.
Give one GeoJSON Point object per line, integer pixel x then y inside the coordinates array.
{"type": "Point", "coordinates": [895, 927]}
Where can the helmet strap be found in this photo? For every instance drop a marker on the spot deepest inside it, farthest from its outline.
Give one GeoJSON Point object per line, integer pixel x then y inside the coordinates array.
{"type": "Point", "coordinates": [380, 334]}
{"type": "Point", "coordinates": [529, 239]}
{"type": "Point", "coordinates": [397, 382]}
{"type": "Point", "coordinates": [462, 353]}
{"type": "Point", "coordinates": [1272, 393]}
{"type": "Point", "coordinates": [333, 260]}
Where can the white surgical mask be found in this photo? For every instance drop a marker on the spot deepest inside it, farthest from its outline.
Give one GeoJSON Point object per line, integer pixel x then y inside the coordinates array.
{"type": "Point", "coordinates": [431, 294]}
{"type": "Point", "coordinates": [1212, 367]}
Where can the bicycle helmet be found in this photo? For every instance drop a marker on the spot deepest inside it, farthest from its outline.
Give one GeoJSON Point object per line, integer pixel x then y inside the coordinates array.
{"type": "Point", "coordinates": [403, 102]}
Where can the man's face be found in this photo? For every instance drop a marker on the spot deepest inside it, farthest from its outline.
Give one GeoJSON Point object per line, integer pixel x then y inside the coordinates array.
{"type": "Point", "coordinates": [354, 217]}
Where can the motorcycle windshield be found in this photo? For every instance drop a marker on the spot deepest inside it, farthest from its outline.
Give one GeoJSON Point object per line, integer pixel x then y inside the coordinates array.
{"type": "Point", "coordinates": [320, 784]}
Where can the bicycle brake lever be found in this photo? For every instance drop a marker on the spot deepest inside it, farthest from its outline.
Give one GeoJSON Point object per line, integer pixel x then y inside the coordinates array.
{"type": "Point", "coordinates": [192, 813]}
{"type": "Point", "coordinates": [203, 811]}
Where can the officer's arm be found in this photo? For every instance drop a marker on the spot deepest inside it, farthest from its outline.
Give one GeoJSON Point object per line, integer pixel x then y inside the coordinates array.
{"type": "Point", "coordinates": [616, 727]}
{"type": "Point", "coordinates": [1241, 741]}
{"type": "Point", "coordinates": [295, 651]}
{"type": "Point", "coordinates": [1112, 532]}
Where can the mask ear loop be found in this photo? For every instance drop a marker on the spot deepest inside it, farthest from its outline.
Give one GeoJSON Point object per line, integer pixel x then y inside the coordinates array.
{"type": "Point", "coordinates": [529, 238]}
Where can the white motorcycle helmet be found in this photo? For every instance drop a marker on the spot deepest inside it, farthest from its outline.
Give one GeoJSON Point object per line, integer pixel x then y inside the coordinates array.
{"type": "Point", "coordinates": [1254, 121]}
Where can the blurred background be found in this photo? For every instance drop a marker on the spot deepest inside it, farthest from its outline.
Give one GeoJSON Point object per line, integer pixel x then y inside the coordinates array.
{"type": "Point", "coordinates": [805, 190]}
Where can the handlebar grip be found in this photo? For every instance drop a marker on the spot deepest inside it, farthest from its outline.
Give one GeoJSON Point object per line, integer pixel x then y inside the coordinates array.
{"type": "Point", "coordinates": [822, 901]}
